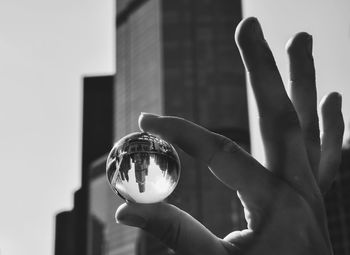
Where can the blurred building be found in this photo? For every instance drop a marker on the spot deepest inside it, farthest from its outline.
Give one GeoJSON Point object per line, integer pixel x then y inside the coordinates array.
{"type": "Point", "coordinates": [77, 231]}
{"type": "Point", "coordinates": [338, 207]}
{"type": "Point", "coordinates": [69, 227]}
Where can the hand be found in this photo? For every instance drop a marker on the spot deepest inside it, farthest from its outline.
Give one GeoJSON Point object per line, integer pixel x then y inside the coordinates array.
{"type": "Point", "coordinates": [283, 201]}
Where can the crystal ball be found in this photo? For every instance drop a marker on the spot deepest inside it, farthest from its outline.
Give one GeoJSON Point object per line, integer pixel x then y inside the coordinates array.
{"type": "Point", "coordinates": [143, 168]}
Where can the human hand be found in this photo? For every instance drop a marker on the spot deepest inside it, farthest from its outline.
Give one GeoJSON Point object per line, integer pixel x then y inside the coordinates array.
{"type": "Point", "coordinates": [283, 201]}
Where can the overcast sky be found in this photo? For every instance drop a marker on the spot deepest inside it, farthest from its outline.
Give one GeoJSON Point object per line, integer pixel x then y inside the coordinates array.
{"type": "Point", "coordinates": [45, 49]}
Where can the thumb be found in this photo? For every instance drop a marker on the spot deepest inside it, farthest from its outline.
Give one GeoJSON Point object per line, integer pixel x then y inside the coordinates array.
{"type": "Point", "coordinates": [172, 226]}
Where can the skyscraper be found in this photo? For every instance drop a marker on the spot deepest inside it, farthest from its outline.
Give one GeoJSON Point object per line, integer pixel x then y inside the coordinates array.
{"type": "Point", "coordinates": [179, 58]}
{"type": "Point", "coordinates": [78, 231]}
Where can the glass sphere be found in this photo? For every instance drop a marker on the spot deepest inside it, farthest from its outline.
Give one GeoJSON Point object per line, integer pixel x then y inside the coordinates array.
{"type": "Point", "coordinates": [143, 168]}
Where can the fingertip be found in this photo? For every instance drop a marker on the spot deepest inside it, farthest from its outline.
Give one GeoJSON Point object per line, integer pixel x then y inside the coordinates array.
{"type": "Point", "coordinates": [119, 212]}
{"type": "Point", "coordinates": [300, 42]}
{"type": "Point", "coordinates": [336, 98]}
{"type": "Point", "coordinates": [240, 239]}
{"type": "Point", "coordinates": [137, 208]}
{"type": "Point", "coordinates": [146, 121]}
{"type": "Point", "coordinates": [332, 116]}
{"type": "Point", "coordinates": [331, 102]}
{"type": "Point", "coordinates": [135, 215]}
{"type": "Point", "coordinates": [247, 30]}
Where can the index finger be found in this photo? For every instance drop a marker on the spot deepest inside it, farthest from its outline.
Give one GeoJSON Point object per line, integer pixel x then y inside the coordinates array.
{"type": "Point", "coordinates": [227, 161]}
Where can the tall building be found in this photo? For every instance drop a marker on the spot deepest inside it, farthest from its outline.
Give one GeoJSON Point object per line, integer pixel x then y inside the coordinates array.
{"type": "Point", "coordinates": [179, 58]}
{"type": "Point", "coordinates": [77, 231]}
{"type": "Point", "coordinates": [69, 228]}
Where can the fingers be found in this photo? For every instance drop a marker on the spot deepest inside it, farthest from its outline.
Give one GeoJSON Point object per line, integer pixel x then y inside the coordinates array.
{"type": "Point", "coordinates": [191, 138]}
{"type": "Point", "coordinates": [228, 162]}
{"type": "Point", "coordinates": [331, 140]}
{"type": "Point", "coordinates": [285, 151]}
{"type": "Point", "coordinates": [172, 226]}
{"type": "Point", "coordinates": [303, 93]}
{"type": "Point", "coordinates": [265, 79]}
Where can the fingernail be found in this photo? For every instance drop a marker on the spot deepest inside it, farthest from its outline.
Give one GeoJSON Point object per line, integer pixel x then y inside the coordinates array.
{"type": "Point", "coordinates": [132, 220]}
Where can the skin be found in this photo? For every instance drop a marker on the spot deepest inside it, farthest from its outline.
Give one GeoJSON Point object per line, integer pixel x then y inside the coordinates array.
{"type": "Point", "coordinates": [283, 201]}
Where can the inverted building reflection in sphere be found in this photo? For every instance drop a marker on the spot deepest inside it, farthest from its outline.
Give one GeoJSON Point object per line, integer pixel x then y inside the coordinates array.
{"type": "Point", "coordinates": [143, 168]}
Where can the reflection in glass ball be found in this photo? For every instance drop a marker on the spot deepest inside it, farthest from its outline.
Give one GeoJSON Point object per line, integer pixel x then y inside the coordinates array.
{"type": "Point", "coordinates": [143, 168]}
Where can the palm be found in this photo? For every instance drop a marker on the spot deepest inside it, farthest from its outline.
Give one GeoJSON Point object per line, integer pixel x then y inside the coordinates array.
{"type": "Point", "coordinates": [290, 223]}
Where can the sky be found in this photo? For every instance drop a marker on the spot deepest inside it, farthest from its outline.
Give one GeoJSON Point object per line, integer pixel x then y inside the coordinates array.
{"type": "Point", "coordinates": [47, 46]}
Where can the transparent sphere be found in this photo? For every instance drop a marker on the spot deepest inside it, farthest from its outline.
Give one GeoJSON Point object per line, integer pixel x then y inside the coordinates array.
{"type": "Point", "coordinates": [143, 168]}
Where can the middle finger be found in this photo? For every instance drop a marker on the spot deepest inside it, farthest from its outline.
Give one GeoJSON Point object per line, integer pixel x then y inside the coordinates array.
{"type": "Point", "coordinates": [303, 93]}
